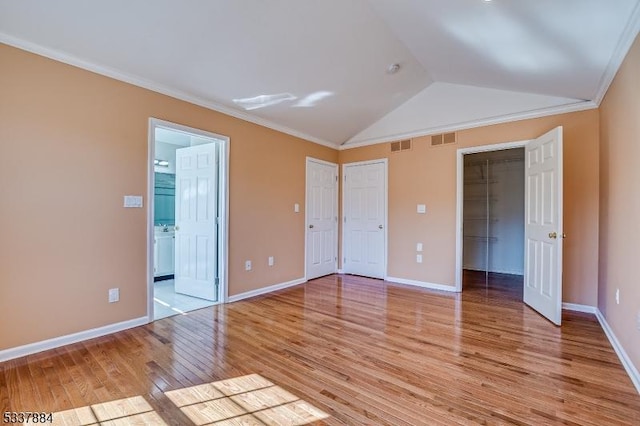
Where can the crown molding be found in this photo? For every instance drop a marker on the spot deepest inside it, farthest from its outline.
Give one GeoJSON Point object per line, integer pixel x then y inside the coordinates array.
{"type": "Point", "coordinates": [154, 87]}
{"type": "Point", "coordinates": [624, 44]}
{"type": "Point", "coordinates": [525, 115]}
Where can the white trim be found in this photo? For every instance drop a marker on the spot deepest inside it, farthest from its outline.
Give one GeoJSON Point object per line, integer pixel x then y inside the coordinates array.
{"type": "Point", "coordinates": [423, 284]}
{"type": "Point", "coordinates": [631, 370]}
{"type": "Point", "coordinates": [340, 271]}
{"type": "Point", "coordinates": [579, 308]}
{"type": "Point", "coordinates": [80, 336]}
{"type": "Point", "coordinates": [461, 152]}
{"type": "Point", "coordinates": [622, 49]}
{"type": "Point", "coordinates": [155, 87]}
{"type": "Point", "coordinates": [265, 290]}
{"type": "Point", "coordinates": [384, 161]}
{"type": "Point", "coordinates": [306, 209]}
{"type": "Point", "coordinates": [224, 143]}
{"type": "Point", "coordinates": [544, 112]}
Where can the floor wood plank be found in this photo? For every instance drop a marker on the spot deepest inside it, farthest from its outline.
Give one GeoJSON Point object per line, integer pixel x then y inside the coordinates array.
{"type": "Point", "coordinates": [362, 351]}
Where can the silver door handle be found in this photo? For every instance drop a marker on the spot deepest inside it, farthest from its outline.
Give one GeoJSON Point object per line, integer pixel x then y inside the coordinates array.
{"type": "Point", "coordinates": [553, 235]}
{"type": "Point", "coordinates": [379, 226]}
{"type": "Point", "coordinates": [310, 226]}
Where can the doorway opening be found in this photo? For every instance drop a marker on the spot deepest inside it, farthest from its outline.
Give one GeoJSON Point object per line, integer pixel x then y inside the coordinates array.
{"type": "Point", "coordinates": [187, 216]}
{"type": "Point", "coordinates": [543, 225]}
{"type": "Point", "coordinates": [493, 222]}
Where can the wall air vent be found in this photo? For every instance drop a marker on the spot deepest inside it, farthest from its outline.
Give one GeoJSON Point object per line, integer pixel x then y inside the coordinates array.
{"type": "Point", "coordinates": [402, 145]}
{"type": "Point", "coordinates": [443, 139]}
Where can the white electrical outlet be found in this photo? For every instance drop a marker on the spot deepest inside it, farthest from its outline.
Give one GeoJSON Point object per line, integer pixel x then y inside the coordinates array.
{"type": "Point", "coordinates": [271, 261]}
{"type": "Point", "coordinates": [617, 296]}
{"type": "Point", "coordinates": [247, 265]}
{"type": "Point", "coordinates": [419, 247]}
{"type": "Point", "coordinates": [114, 295]}
{"type": "Point", "coordinates": [419, 258]}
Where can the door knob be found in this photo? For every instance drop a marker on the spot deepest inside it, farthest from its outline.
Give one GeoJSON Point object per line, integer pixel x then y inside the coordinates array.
{"type": "Point", "coordinates": [553, 235]}
{"type": "Point", "coordinates": [379, 226]}
{"type": "Point", "coordinates": [310, 226]}
{"type": "Point", "coordinates": [564, 235]}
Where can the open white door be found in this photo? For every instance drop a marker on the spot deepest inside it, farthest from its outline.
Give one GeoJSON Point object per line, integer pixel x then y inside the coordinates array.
{"type": "Point", "coordinates": [543, 225]}
{"type": "Point", "coordinates": [365, 210]}
{"type": "Point", "coordinates": [322, 218]}
{"type": "Point", "coordinates": [196, 217]}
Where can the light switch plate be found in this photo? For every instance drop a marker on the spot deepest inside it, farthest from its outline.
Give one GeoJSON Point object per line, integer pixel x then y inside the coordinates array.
{"type": "Point", "coordinates": [422, 208]}
{"type": "Point", "coordinates": [419, 247]}
{"type": "Point", "coordinates": [296, 208]}
{"type": "Point", "coordinates": [114, 295]}
{"type": "Point", "coordinates": [133, 201]}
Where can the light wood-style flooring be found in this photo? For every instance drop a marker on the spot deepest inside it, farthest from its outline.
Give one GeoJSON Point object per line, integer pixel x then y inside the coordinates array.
{"type": "Point", "coordinates": [339, 350]}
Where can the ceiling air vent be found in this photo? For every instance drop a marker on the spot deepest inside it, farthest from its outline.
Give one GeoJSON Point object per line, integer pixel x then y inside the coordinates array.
{"type": "Point", "coordinates": [443, 139]}
{"type": "Point", "coordinates": [402, 145]}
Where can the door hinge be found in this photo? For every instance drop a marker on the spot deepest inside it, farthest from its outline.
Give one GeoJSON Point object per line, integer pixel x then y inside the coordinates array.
{"type": "Point", "coordinates": [217, 281]}
{"type": "Point", "coordinates": [345, 219]}
{"type": "Point", "coordinates": [344, 260]}
{"type": "Point", "coordinates": [336, 178]}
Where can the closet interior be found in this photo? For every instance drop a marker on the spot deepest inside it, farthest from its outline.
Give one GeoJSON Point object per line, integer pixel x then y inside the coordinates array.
{"type": "Point", "coordinates": [493, 214]}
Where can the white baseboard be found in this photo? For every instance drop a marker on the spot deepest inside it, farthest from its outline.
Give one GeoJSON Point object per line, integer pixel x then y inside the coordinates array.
{"type": "Point", "coordinates": [632, 371]}
{"type": "Point", "coordinates": [422, 284]}
{"type": "Point", "coordinates": [340, 271]}
{"type": "Point", "coordinates": [579, 308]}
{"type": "Point", "coordinates": [264, 290]}
{"type": "Point", "coordinates": [56, 342]}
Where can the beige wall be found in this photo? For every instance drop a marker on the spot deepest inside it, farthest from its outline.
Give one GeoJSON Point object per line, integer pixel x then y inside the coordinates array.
{"type": "Point", "coordinates": [427, 175]}
{"type": "Point", "coordinates": [72, 143]}
{"type": "Point", "coordinates": [620, 204]}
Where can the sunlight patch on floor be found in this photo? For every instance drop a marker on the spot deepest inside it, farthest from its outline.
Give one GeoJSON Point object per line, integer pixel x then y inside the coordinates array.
{"type": "Point", "coordinates": [246, 400]}
{"type": "Point", "coordinates": [128, 411]}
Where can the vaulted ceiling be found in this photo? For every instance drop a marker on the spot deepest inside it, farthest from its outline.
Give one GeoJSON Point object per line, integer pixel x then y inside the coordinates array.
{"type": "Point", "coordinates": [324, 69]}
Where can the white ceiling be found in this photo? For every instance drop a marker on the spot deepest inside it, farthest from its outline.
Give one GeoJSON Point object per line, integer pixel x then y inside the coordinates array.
{"type": "Point", "coordinates": [317, 68]}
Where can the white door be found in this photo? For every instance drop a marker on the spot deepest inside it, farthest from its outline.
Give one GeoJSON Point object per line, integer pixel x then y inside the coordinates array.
{"type": "Point", "coordinates": [543, 225]}
{"type": "Point", "coordinates": [322, 218]}
{"type": "Point", "coordinates": [365, 209]}
{"type": "Point", "coordinates": [196, 214]}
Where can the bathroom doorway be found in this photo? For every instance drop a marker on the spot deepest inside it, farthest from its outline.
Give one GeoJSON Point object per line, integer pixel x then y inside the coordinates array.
{"type": "Point", "coordinates": [187, 217]}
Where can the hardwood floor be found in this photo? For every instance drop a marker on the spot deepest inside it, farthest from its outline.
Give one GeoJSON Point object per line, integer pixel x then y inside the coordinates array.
{"type": "Point", "coordinates": [362, 351]}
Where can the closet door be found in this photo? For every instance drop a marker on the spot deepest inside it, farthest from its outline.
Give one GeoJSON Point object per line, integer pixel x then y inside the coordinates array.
{"type": "Point", "coordinates": [543, 225]}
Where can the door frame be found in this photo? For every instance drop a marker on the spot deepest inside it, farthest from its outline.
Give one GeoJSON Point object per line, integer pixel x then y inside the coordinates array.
{"type": "Point", "coordinates": [461, 152]}
{"type": "Point", "coordinates": [306, 211]}
{"type": "Point", "coordinates": [385, 188]}
{"type": "Point", "coordinates": [223, 197]}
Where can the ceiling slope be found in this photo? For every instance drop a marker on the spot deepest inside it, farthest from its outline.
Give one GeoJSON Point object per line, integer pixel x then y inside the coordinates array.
{"type": "Point", "coordinates": [444, 107]}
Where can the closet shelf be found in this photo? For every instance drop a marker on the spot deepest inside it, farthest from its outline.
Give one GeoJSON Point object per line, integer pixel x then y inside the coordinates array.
{"type": "Point", "coordinates": [481, 239]}
{"type": "Point", "coordinates": [481, 199]}
{"type": "Point", "coordinates": [479, 182]}
{"type": "Point", "coordinates": [483, 219]}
